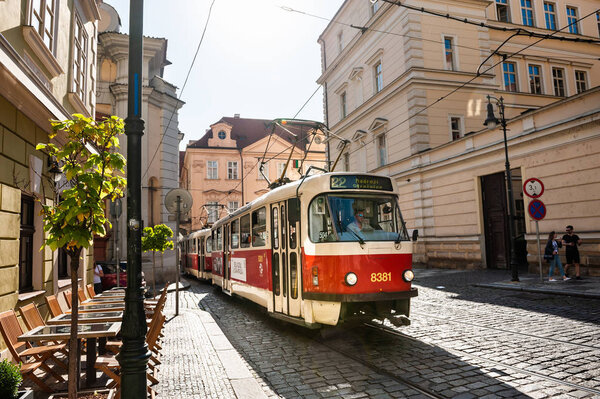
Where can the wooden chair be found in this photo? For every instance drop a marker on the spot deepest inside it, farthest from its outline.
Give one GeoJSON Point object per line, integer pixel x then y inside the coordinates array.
{"type": "Point", "coordinates": [90, 290]}
{"type": "Point", "coordinates": [67, 296]}
{"type": "Point", "coordinates": [110, 366]}
{"type": "Point", "coordinates": [54, 306]}
{"type": "Point", "coordinates": [32, 317]}
{"type": "Point", "coordinates": [81, 295]}
{"type": "Point", "coordinates": [31, 357]}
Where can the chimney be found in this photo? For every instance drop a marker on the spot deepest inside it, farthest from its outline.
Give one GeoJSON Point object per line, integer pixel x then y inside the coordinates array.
{"type": "Point", "coordinates": [236, 116]}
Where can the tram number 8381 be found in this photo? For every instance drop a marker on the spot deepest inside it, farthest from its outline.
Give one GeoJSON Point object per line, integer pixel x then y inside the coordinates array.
{"type": "Point", "coordinates": [380, 277]}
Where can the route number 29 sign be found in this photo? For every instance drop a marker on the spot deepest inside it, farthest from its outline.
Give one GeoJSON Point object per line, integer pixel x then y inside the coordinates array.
{"type": "Point", "coordinates": [533, 188]}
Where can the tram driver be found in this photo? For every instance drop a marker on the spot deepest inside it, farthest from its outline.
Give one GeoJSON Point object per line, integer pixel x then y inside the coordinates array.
{"type": "Point", "coordinates": [360, 223]}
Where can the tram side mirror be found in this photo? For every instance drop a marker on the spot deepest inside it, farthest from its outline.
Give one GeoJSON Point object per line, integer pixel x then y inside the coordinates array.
{"type": "Point", "coordinates": [415, 235]}
{"type": "Point", "coordinates": [387, 209]}
{"type": "Point", "coordinates": [293, 210]}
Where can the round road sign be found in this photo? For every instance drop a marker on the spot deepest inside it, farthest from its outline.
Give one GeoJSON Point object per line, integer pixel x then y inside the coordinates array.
{"type": "Point", "coordinates": [537, 209]}
{"type": "Point", "coordinates": [533, 188]}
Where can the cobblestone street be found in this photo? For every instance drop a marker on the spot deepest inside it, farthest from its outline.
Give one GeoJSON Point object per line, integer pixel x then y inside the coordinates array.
{"type": "Point", "coordinates": [464, 342]}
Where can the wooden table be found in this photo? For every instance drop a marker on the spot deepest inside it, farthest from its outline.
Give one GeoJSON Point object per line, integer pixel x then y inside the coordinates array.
{"type": "Point", "coordinates": [111, 294]}
{"type": "Point", "coordinates": [96, 307]}
{"type": "Point", "coordinates": [90, 332]}
{"type": "Point", "coordinates": [90, 317]}
{"type": "Point", "coordinates": [96, 300]}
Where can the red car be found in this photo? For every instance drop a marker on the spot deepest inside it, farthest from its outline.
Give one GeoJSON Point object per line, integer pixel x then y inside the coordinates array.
{"type": "Point", "coordinates": [109, 280]}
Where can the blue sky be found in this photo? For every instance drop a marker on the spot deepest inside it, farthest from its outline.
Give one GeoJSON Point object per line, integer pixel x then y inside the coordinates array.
{"type": "Point", "coordinates": [256, 60]}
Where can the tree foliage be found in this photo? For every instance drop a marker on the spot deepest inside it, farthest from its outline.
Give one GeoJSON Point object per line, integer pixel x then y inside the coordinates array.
{"type": "Point", "coordinates": [94, 171]}
{"type": "Point", "coordinates": [157, 239]}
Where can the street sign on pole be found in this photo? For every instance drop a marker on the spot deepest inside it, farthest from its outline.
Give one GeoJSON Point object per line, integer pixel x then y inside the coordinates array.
{"type": "Point", "coordinates": [537, 209]}
{"type": "Point", "coordinates": [533, 188]}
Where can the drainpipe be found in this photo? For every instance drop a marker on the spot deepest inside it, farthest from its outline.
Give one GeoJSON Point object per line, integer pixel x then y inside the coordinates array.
{"type": "Point", "coordinates": [242, 174]}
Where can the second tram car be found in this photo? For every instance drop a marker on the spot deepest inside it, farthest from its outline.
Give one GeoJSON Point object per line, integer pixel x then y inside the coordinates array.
{"type": "Point", "coordinates": [325, 250]}
{"type": "Point", "coordinates": [197, 247]}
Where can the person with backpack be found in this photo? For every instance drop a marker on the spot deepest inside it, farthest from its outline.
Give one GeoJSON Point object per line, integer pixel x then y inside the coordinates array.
{"type": "Point", "coordinates": [551, 255]}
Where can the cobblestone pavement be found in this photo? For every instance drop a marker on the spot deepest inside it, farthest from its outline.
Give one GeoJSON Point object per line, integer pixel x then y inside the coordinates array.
{"type": "Point", "coordinates": [464, 342]}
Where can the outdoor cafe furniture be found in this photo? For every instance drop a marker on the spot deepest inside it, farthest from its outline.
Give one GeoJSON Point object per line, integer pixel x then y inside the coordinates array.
{"type": "Point", "coordinates": [90, 317]}
{"type": "Point", "coordinates": [67, 296]}
{"type": "Point", "coordinates": [54, 306]}
{"type": "Point", "coordinates": [103, 300]}
{"type": "Point", "coordinates": [31, 357]}
{"type": "Point", "coordinates": [95, 307]}
{"type": "Point", "coordinates": [81, 295]}
{"type": "Point", "coordinates": [91, 332]}
{"type": "Point", "coordinates": [90, 290]}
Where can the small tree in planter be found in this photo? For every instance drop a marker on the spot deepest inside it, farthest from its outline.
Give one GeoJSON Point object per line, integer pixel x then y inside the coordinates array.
{"type": "Point", "coordinates": [94, 171]}
{"type": "Point", "coordinates": [156, 239]}
{"type": "Point", "coordinates": [10, 380]}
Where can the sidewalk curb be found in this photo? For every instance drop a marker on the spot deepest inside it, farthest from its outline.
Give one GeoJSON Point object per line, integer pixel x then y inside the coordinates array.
{"type": "Point", "coordinates": [509, 287]}
{"type": "Point", "coordinates": [242, 381]}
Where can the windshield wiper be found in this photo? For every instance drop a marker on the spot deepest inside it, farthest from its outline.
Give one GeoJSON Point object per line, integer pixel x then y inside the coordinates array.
{"type": "Point", "coordinates": [360, 240]}
{"type": "Point", "coordinates": [398, 239]}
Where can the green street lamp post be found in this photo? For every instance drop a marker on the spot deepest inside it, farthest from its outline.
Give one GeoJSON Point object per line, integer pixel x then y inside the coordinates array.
{"type": "Point", "coordinates": [134, 354]}
{"type": "Point", "coordinates": [491, 122]}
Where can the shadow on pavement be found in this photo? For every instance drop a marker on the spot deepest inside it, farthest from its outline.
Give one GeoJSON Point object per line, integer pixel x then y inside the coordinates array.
{"type": "Point", "coordinates": [294, 364]}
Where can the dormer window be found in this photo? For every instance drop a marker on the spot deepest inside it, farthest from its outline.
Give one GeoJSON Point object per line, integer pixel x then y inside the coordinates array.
{"type": "Point", "coordinates": [222, 135]}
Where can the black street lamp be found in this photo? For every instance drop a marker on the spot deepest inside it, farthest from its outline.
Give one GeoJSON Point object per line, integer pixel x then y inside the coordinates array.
{"type": "Point", "coordinates": [134, 353]}
{"type": "Point", "coordinates": [491, 122]}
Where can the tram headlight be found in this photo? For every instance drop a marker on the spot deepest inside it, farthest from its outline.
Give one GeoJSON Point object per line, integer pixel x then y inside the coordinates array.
{"type": "Point", "coordinates": [408, 276]}
{"type": "Point", "coordinates": [351, 279]}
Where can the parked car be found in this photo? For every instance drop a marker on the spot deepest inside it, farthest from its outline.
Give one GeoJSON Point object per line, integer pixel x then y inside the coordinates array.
{"type": "Point", "coordinates": [109, 279]}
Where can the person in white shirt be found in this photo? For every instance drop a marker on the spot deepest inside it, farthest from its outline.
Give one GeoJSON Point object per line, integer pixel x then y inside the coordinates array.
{"type": "Point", "coordinates": [360, 223]}
{"type": "Point", "coordinates": [98, 273]}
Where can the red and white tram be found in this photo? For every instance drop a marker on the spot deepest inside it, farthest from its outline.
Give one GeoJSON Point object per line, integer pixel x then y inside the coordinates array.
{"type": "Point", "coordinates": [324, 250]}
{"type": "Point", "coordinates": [197, 247]}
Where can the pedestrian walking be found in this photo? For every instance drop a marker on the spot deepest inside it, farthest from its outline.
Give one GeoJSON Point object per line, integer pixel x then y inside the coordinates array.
{"type": "Point", "coordinates": [98, 273]}
{"type": "Point", "coordinates": [551, 254]}
{"type": "Point", "coordinates": [571, 242]}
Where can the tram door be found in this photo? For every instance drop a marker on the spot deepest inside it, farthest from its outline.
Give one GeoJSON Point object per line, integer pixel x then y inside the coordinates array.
{"type": "Point", "coordinates": [293, 262]}
{"type": "Point", "coordinates": [201, 259]}
{"type": "Point", "coordinates": [285, 261]}
{"type": "Point", "coordinates": [226, 259]}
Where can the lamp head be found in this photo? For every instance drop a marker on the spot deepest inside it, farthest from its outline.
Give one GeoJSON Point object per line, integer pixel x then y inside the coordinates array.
{"type": "Point", "coordinates": [54, 170]}
{"type": "Point", "coordinates": [491, 121]}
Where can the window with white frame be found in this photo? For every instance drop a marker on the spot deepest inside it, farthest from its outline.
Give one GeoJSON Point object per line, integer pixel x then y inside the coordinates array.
{"type": "Point", "coordinates": [510, 76]}
{"type": "Point", "coordinates": [233, 206]}
{"type": "Point", "coordinates": [343, 108]}
{"type": "Point", "coordinates": [42, 19]}
{"type": "Point", "coordinates": [558, 81]}
{"type": "Point", "coordinates": [265, 171]}
{"type": "Point", "coordinates": [527, 12]}
{"type": "Point", "coordinates": [581, 81]}
{"type": "Point", "coordinates": [502, 11]}
{"type": "Point", "coordinates": [535, 79]}
{"type": "Point", "coordinates": [281, 169]}
{"type": "Point", "coordinates": [347, 162]}
{"type": "Point", "coordinates": [212, 170]}
{"type": "Point", "coordinates": [456, 127]}
{"type": "Point", "coordinates": [80, 64]}
{"type": "Point", "coordinates": [378, 74]}
{"type": "Point", "coordinates": [572, 20]}
{"type": "Point", "coordinates": [550, 15]}
{"type": "Point", "coordinates": [449, 53]}
{"type": "Point", "coordinates": [232, 170]}
{"type": "Point", "coordinates": [374, 6]}
{"type": "Point", "coordinates": [381, 150]}
{"type": "Point", "coordinates": [213, 211]}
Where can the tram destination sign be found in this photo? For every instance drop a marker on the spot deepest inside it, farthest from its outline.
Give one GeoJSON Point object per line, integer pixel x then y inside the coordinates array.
{"type": "Point", "coordinates": [361, 182]}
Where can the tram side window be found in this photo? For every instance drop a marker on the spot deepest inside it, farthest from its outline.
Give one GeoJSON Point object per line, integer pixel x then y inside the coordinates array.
{"type": "Point", "coordinates": [274, 227]}
{"type": "Point", "coordinates": [320, 221]}
{"type": "Point", "coordinates": [259, 227]}
{"type": "Point", "coordinates": [208, 245]}
{"type": "Point", "coordinates": [293, 275]}
{"type": "Point", "coordinates": [235, 233]}
{"type": "Point", "coordinates": [219, 239]}
{"type": "Point", "coordinates": [245, 229]}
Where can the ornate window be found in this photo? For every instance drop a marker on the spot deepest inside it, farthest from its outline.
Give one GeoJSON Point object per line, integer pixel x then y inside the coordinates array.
{"type": "Point", "coordinates": [42, 19]}
{"type": "Point", "coordinates": [510, 76]}
{"type": "Point", "coordinates": [378, 73]}
{"type": "Point", "coordinates": [535, 79]}
{"type": "Point", "coordinates": [212, 170]}
{"type": "Point", "coordinates": [572, 20]}
{"type": "Point", "coordinates": [232, 170]}
{"type": "Point", "coordinates": [502, 11]}
{"type": "Point", "coordinates": [580, 81]}
{"type": "Point", "coordinates": [550, 15]}
{"type": "Point", "coordinates": [527, 12]}
{"type": "Point", "coordinates": [558, 80]}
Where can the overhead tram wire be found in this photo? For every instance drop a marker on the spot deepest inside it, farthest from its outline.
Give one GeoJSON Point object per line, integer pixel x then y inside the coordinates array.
{"type": "Point", "coordinates": [504, 58]}
{"type": "Point", "coordinates": [182, 89]}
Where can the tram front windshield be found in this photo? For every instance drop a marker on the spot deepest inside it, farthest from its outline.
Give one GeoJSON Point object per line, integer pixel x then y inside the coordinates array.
{"type": "Point", "coordinates": [354, 217]}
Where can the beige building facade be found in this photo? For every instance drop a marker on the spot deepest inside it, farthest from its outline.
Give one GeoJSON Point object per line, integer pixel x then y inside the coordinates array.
{"type": "Point", "coordinates": [160, 142]}
{"type": "Point", "coordinates": [47, 71]}
{"type": "Point", "coordinates": [409, 91]}
{"type": "Point", "coordinates": [221, 170]}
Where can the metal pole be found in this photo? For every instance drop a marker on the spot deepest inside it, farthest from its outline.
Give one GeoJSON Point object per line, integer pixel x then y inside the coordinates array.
{"type": "Point", "coordinates": [134, 354]}
{"type": "Point", "coordinates": [537, 232]}
{"type": "Point", "coordinates": [117, 254]}
{"type": "Point", "coordinates": [177, 215]}
{"type": "Point", "coordinates": [511, 206]}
